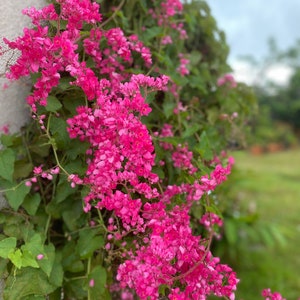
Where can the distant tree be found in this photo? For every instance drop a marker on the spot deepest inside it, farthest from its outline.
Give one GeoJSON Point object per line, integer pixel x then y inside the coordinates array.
{"type": "Point", "coordinates": [285, 104]}
{"type": "Point", "coordinates": [277, 103]}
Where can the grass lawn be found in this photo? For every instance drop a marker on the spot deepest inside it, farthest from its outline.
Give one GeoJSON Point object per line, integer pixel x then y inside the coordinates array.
{"type": "Point", "coordinates": [270, 185]}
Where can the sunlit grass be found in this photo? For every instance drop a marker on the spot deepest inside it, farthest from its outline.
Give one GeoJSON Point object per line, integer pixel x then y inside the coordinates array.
{"type": "Point", "coordinates": [270, 184]}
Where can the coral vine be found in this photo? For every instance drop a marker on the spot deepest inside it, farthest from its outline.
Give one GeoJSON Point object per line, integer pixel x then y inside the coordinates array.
{"type": "Point", "coordinates": [121, 154]}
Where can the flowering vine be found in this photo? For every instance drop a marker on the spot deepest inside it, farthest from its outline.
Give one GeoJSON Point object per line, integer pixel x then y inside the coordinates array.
{"type": "Point", "coordinates": [105, 158]}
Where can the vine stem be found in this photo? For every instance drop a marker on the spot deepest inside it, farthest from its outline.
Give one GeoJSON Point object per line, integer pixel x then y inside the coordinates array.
{"type": "Point", "coordinates": [47, 226]}
{"type": "Point", "coordinates": [53, 145]}
{"type": "Point", "coordinates": [88, 272]}
{"type": "Point", "coordinates": [114, 14]}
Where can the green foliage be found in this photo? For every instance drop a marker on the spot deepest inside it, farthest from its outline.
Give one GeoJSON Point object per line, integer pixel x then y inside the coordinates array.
{"type": "Point", "coordinates": [44, 223]}
{"type": "Point", "coordinates": [7, 160]}
{"type": "Point", "coordinates": [260, 233]}
{"type": "Point", "coordinates": [7, 246]}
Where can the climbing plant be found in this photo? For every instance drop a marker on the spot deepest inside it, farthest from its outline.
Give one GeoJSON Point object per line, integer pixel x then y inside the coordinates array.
{"type": "Point", "coordinates": [111, 185]}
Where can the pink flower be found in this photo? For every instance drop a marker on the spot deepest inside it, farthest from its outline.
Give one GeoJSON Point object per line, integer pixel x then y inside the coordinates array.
{"type": "Point", "coordinates": [166, 40]}
{"type": "Point", "coordinates": [38, 170]}
{"type": "Point", "coordinates": [5, 129]}
{"type": "Point", "coordinates": [268, 295]}
{"type": "Point", "coordinates": [172, 250]}
{"type": "Point", "coordinates": [92, 283]}
{"type": "Point", "coordinates": [40, 256]}
{"type": "Point", "coordinates": [227, 79]}
{"type": "Point", "coordinates": [182, 69]}
{"type": "Point", "coordinates": [210, 219]}
{"type": "Point", "coordinates": [28, 183]}
{"type": "Point", "coordinates": [182, 158]}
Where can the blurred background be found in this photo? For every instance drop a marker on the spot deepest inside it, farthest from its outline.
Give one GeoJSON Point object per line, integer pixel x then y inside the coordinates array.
{"type": "Point", "coordinates": [262, 232]}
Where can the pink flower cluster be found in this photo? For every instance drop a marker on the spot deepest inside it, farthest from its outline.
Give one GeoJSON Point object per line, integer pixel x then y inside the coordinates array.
{"type": "Point", "coordinates": [182, 69]}
{"type": "Point", "coordinates": [268, 295]}
{"type": "Point", "coordinates": [210, 219]}
{"type": "Point", "coordinates": [169, 9]}
{"type": "Point", "coordinates": [205, 185]}
{"type": "Point", "coordinates": [179, 108]}
{"type": "Point", "coordinates": [182, 158]}
{"type": "Point", "coordinates": [121, 150]}
{"type": "Point", "coordinates": [227, 79]}
{"type": "Point", "coordinates": [172, 249]}
{"type": "Point", "coordinates": [49, 56]}
{"type": "Point", "coordinates": [45, 174]}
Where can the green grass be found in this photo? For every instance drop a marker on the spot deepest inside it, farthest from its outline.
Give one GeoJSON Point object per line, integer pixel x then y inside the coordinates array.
{"type": "Point", "coordinates": [270, 185]}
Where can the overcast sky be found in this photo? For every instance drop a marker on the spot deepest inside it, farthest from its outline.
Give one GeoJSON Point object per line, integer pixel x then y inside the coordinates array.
{"type": "Point", "coordinates": [249, 24]}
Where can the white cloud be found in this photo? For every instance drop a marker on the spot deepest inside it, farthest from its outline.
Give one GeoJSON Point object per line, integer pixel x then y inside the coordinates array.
{"type": "Point", "coordinates": [245, 72]}
{"type": "Point", "coordinates": [279, 73]}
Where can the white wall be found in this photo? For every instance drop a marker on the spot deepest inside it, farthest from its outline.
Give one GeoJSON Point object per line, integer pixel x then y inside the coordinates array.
{"type": "Point", "coordinates": [13, 109]}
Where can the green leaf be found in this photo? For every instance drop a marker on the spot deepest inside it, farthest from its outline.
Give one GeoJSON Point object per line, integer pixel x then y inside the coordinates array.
{"type": "Point", "coordinates": [22, 169]}
{"type": "Point", "coordinates": [58, 128]}
{"type": "Point", "coordinates": [72, 214]}
{"type": "Point", "coordinates": [41, 147]}
{"type": "Point", "coordinates": [168, 108]}
{"type": "Point", "coordinates": [35, 244]}
{"type": "Point", "coordinates": [158, 171]}
{"type": "Point", "coordinates": [7, 246]}
{"type": "Point", "coordinates": [162, 289]}
{"type": "Point", "coordinates": [34, 77]}
{"type": "Point", "coordinates": [204, 148]}
{"type": "Point", "coordinates": [14, 226]}
{"type": "Point", "coordinates": [172, 140]}
{"type": "Point", "coordinates": [70, 259]}
{"type": "Point", "coordinates": [190, 130]}
{"type": "Point", "coordinates": [195, 58]}
{"type": "Point", "coordinates": [3, 265]}
{"type": "Point", "coordinates": [98, 276]}
{"type": "Point", "coordinates": [16, 195]}
{"type": "Point", "coordinates": [88, 242]}
{"type": "Point", "coordinates": [27, 281]}
{"type": "Point", "coordinates": [64, 83]}
{"type": "Point", "coordinates": [71, 106]}
{"type": "Point", "coordinates": [150, 97]}
{"type": "Point", "coordinates": [47, 262]}
{"type": "Point", "coordinates": [212, 115]}
{"type": "Point", "coordinates": [57, 273]}
{"type": "Point", "coordinates": [31, 203]}
{"type": "Point", "coordinates": [53, 104]}
{"type": "Point", "coordinates": [64, 190]}
{"type": "Point", "coordinates": [74, 289]}
{"type": "Point", "coordinates": [231, 231]}
{"type": "Point", "coordinates": [16, 258]}
{"type": "Point", "coordinates": [76, 167]}
{"type": "Point", "coordinates": [7, 160]}
{"type": "Point", "coordinates": [34, 297]}
{"type": "Point", "coordinates": [76, 148]}
{"type": "Point", "coordinates": [9, 139]}
{"type": "Point", "coordinates": [56, 295]}
{"type": "Point", "coordinates": [28, 260]}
